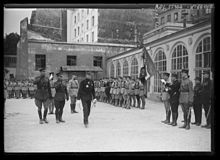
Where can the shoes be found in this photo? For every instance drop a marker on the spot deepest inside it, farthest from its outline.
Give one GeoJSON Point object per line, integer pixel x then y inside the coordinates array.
{"type": "Point", "coordinates": [86, 125]}
{"type": "Point", "coordinates": [74, 112]}
{"type": "Point", "coordinates": [171, 123]}
{"type": "Point", "coordinates": [184, 126]}
{"type": "Point", "coordinates": [174, 124]}
{"type": "Point", "coordinates": [41, 121]}
{"type": "Point", "coordinates": [166, 121]}
{"type": "Point", "coordinates": [194, 123]}
{"type": "Point", "coordinates": [57, 121]}
{"type": "Point", "coordinates": [61, 120]}
{"type": "Point", "coordinates": [206, 126]}
{"type": "Point", "coordinates": [45, 120]}
{"type": "Point", "coordinates": [198, 124]}
{"type": "Point", "coordinates": [187, 127]}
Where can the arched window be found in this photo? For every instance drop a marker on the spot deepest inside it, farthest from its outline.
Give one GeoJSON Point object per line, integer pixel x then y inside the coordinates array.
{"type": "Point", "coordinates": [118, 69]}
{"type": "Point", "coordinates": [161, 66]}
{"type": "Point", "coordinates": [112, 71]}
{"type": "Point", "coordinates": [179, 60]}
{"type": "Point", "coordinates": [203, 56]}
{"type": "Point", "coordinates": [125, 68]}
{"type": "Point", "coordinates": [134, 68]}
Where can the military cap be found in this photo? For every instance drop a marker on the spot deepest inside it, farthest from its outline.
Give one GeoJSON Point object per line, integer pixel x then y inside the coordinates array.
{"type": "Point", "coordinates": [206, 72]}
{"type": "Point", "coordinates": [174, 75]}
{"type": "Point", "coordinates": [166, 74]}
{"type": "Point", "coordinates": [42, 69]}
{"type": "Point", "coordinates": [198, 79]}
{"type": "Point", "coordinates": [185, 71]}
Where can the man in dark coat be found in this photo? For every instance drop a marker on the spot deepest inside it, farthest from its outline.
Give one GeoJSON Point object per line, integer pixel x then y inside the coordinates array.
{"type": "Point", "coordinates": [86, 94]}
{"type": "Point", "coordinates": [174, 98]}
{"type": "Point", "coordinates": [197, 105]}
{"type": "Point", "coordinates": [42, 95]}
{"type": "Point", "coordinates": [59, 98]}
{"type": "Point", "coordinates": [206, 96]}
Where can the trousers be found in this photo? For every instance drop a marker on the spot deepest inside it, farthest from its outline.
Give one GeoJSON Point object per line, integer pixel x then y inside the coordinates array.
{"type": "Point", "coordinates": [59, 105]}
{"type": "Point", "coordinates": [86, 110]}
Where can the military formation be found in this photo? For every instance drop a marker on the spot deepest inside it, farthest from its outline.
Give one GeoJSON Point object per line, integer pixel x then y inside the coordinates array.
{"type": "Point", "coordinates": [182, 93]}
{"type": "Point", "coordinates": [125, 92]}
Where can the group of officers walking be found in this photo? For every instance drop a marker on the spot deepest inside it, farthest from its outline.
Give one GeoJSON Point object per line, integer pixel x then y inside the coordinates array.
{"type": "Point", "coordinates": [125, 92]}
{"type": "Point", "coordinates": [182, 93]}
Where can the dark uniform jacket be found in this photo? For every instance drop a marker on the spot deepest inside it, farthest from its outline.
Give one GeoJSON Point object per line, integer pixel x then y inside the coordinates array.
{"type": "Point", "coordinates": [61, 91]}
{"type": "Point", "coordinates": [86, 90]}
{"type": "Point", "coordinates": [43, 91]}
{"type": "Point", "coordinates": [197, 93]}
{"type": "Point", "coordinates": [174, 92]}
{"type": "Point", "coordinates": [206, 91]}
{"type": "Point", "coordinates": [186, 92]}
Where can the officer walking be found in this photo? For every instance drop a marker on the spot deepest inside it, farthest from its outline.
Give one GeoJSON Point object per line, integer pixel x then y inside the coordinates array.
{"type": "Point", "coordinates": [186, 97]}
{"type": "Point", "coordinates": [206, 98]}
{"type": "Point", "coordinates": [73, 87]}
{"type": "Point", "coordinates": [174, 98]}
{"type": "Point", "coordinates": [42, 95]}
{"type": "Point", "coordinates": [53, 91]}
{"type": "Point", "coordinates": [60, 96]}
{"type": "Point", "coordinates": [197, 105]}
{"type": "Point", "coordinates": [87, 95]}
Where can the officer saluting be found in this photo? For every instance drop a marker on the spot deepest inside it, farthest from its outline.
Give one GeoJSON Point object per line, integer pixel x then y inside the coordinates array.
{"type": "Point", "coordinates": [86, 93]}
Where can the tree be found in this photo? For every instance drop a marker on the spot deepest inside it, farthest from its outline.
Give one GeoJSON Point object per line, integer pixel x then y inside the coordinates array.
{"type": "Point", "coordinates": [10, 43]}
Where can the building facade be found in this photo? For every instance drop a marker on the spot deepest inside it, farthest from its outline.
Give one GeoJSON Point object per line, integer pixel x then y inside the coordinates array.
{"type": "Point", "coordinates": [188, 48]}
{"type": "Point", "coordinates": [107, 25]}
{"type": "Point", "coordinates": [71, 58]}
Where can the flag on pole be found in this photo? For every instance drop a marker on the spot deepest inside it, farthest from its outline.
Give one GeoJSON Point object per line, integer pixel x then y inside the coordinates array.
{"type": "Point", "coordinates": [151, 69]}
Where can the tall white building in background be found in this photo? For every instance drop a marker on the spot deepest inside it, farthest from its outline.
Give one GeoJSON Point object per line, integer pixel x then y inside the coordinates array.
{"type": "Point", "coordinates": [82, 25]}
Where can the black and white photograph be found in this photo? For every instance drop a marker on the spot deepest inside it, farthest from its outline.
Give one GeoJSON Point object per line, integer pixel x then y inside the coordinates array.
{"type": "Point", "coordinates": [108, 78]}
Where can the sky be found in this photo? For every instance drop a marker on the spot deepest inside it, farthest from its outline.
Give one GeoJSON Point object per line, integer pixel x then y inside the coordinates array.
{"type": "Point", "coordinates": [12, 18]}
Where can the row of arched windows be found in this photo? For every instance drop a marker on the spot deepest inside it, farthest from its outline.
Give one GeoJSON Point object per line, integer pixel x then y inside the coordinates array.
{"type": "Point", "coordinates": [179, 60]}
{"type": "Point", "coordinates": [134, 69]}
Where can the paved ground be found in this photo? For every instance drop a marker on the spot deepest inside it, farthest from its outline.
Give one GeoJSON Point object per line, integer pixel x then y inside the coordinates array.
{"type": "Point", "coordinates": [111, 129]}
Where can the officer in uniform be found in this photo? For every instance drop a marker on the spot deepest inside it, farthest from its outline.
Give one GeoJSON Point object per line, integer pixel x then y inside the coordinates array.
{"type": "Point", "coordinates": [87, 95]}
{"type": "Point", "coordinates": [137, 92]}
{"type": "Point", "coordinates": [165, 96]}
{"type": "Point", "coordinates": [129, 90]}
{"type": "Point", "coordinates": [197, 105]}
{"type": "Point", "coordinates": [42, 95]}
{"type": "Point", "coordinates": [206, 97]}
{"type": "Point", "coordinates": [107, 91]}
{"type": "Point", "coordinates": [174, 98]}
{"type": "Point", "coordinates": [120, 98]}
{"type": "Point", "coordinates": [141, 93]}
{"type": "Point", "coordinates": [59, 98]}
{"type": "Point", "coordinates": [53, 91]}
{"type": "Point", "coordinates": [186, 97]}
{"type": "Point", "coordinates": [73, 87]}
{"type": "Point", "coordinates": [132, 94]}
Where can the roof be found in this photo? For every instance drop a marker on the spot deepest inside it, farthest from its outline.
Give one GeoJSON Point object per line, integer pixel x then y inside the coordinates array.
{"type": "Point", "coordinates": [36, 36]}
{"type": "Point", "coordinates": [82, 68]}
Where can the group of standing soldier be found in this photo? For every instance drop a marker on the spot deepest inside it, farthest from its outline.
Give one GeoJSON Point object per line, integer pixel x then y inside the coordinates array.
{"type": "Point", "coordinates": [125, 92]}
{"type": "Point", "coordinates": [182, 93]}
{"type": "Point", "coordinates": [19, 89]}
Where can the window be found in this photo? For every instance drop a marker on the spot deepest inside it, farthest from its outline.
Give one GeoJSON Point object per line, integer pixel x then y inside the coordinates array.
{"type": "Point", "coordinates": [162, 20]}
{"type": "Point", "coordinates": [74, 32]}
{"type": "Point", "coordinates": [134, 68]}
{"type": "Point", "coordinates": [160, 64]}
{"type": "Point", "coordinates": [10, 61]}
{"type": "Point", "coordinates": [125, 68]}
{"type": "Point", "coordinates": [71, 60]}
{"type": "Point", "coordinates": [169, 18]}
{"type": "Point", "coordinates": [93, 20]}
{"type": "Point", "coordinates": [78, 30]}
{"type": "Point", "coordinates": [82, 28]}
{"type": "Point", "coordinates": [179, 60]}
{"type": "Point", "coordinates": [78, 17]}
{"type": "Point", "coordinates": [92, 36]}
{"type": "Point", "coordinates": [87, 24]}
{"type": "Point", "coordinates": [176, 17]}
{"type": "Point", "coordinates": [118, 69]}
{"type": "Point", "coordinates": [112, 71]}
{"type": "Point", "coordinates": [74, 19]}
{"type": "Point", "coordinates": [40, 61]}
{"type": "Point", "coordinates": [87, 38]}
{"type": "Point", "coordinates": [97, 61]}
{"type": "Point", "coordinates": [203, 56]}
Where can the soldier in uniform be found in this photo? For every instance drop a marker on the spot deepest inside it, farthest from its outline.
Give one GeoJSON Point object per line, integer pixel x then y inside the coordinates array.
{"type": "Point", "coordinates": [174, 98]}
{"type": "Point", "coordinates": [112, 91]}
{"type": "Point", "coordinates": [132, 94]}
{"type": "Point", "coordinates": [73, 89]}
{"type": "Point", "coordinates": [13, 84]}
{"type": "Point", "coordinates": [42, 95]}
{"type": "Point", "coordinates": [206, 97]}
{"type": "Point", "coordinates": [59, 98]}
{"type": "Point", "coordinates": [129, 82]}
{"type": "Point", "coordinates": [197, 105]}
{"type": "Point", "coordinates": [87, 95]}
{"type": "Point", "coordinates": [142, 93]}
{"type": "Point", "coordinates": [9, 89]}
{"type": "Point", "coordinates": [122, 92]}
{"type": "Point", "coordinates": [125, 94]}
{"type": "Point", "coordinates": [53, 91]}
{"type": "Point", "coordinates": [107, 91]}
{"type": "Point", "coordinates": [165, 97]}
{"type": "Point", "coordinates": [137, 92]}
{"type": "Point", "coordinates": [186, 98]}
{"type": "Point", "coordinates": [24, 89]}
{"type": "Point", "coordinates": [31, 90]}
{"type": "Point", "coordinates": [17, 89]}
{"type": "Point", "coordinates": [120, 98]}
